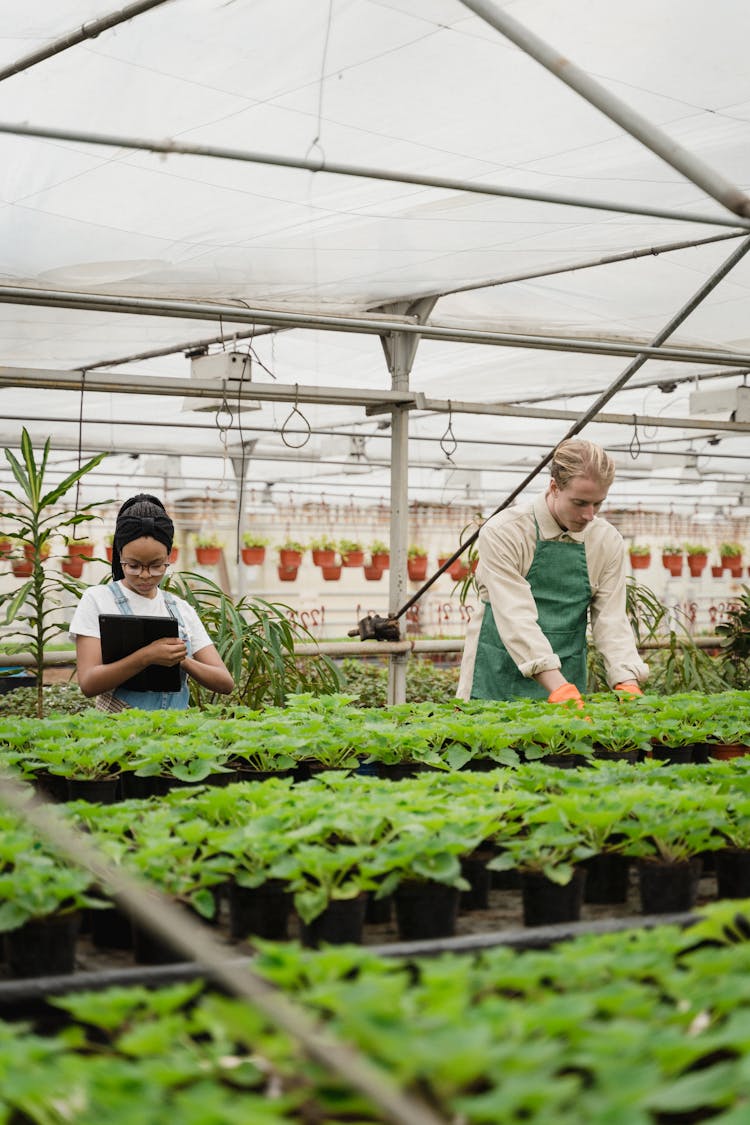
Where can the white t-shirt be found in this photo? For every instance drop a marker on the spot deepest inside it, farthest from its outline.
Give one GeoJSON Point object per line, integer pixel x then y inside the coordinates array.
{"type": "Point", "coordinates": [100, 599]}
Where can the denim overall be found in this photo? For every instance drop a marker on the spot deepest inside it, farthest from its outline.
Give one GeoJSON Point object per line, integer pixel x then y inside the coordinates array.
{"type": "Point", "coordinates": [155, 700]}
{"type": "Point", "coordinates": [559, 581]}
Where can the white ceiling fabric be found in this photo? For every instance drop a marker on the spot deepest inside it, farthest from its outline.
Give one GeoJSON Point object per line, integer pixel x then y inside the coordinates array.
{"type": "Point", "coordinates": [422, 87]}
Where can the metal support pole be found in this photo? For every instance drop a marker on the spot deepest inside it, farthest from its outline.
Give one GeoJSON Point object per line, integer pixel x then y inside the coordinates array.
{"type": "Point", "coordinates": [369, 323]}
{"type": "Point", "coordinates": [88, 30]}
{"type": "Point", "coordinates": [686, 163]}
{"type": "Point", "coordinates": [400, 350]}
{"type": "Point", "coordinates": [337, 168]}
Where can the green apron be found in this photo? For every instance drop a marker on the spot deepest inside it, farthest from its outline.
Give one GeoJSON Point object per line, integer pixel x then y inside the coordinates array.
{"type": "Point", "coordinates": [559, 581]}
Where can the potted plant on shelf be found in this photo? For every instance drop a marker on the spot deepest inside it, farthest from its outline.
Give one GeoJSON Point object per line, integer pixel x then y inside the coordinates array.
{"type": "Point", "coordinates": [380, 554]}
{"type": "Point", "coordinates": [640, 556]}
{"type": "Point", "coordinates": [6, 546]}
{"type": "Point", "coordinates": [731, 558]}
{"type": "Point", "coordinates": [323, 551]}
{"type": "Point", "coordinates": [253, 549]}
{"type": "Point", "coordinates": [671, 558]}
{"type": "Point", "coordinates": [372, 573]}
{"type": "Point", "coordinates": [697, 558]}
{"type": "Point", "coordinates": [208, 549]}
{"type": "Point", "coordinates": [109, 546]}
{"type": "Point", "coordinates": [416, 563]}
{"type": "Point", "coordinates": [352, 552]}
{"type": "Point", "coordinates": [332, 573]}
{"type": "Point", "coordinates": [174, 553]}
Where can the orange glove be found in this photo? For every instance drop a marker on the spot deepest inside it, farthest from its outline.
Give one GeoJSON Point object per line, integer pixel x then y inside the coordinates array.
{"type": "Point", "coordinates": [564, 693]}
{"type": "Point", "coordinates": [628, 689]}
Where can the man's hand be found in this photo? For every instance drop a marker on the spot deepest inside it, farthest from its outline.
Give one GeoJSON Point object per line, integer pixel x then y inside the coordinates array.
{"type": "Point", "coordinates": [565, 693]}
{"type": "Point", "coordinates": [627, 690]}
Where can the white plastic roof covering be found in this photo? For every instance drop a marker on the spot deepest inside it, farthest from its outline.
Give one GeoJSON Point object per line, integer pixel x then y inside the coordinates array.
{"type": "Point", "coordinates": [421, 87]}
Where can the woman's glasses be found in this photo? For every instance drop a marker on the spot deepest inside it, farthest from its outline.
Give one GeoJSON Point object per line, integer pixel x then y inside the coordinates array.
{"type": "Point", "coordinates": [154, 569]}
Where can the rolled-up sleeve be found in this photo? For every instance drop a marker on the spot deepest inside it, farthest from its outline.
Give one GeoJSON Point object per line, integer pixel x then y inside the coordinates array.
{"type": "Point", "coordinates": [505, 555]}
{"type": "Point", "coordinates": [611, 631]}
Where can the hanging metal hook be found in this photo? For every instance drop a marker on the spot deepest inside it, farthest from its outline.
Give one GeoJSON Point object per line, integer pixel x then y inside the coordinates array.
{"type": "Point", "coordinates": [448, 442]}
{"type": "Point", "coordinates": [635, 442]}
{"type": "Point", "coordinates": [295, 410]}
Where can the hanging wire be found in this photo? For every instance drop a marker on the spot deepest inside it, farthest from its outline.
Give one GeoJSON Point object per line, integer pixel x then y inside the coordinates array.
{"type": "Point", "coordinates": [634, 448]}
{"type": "Point", "coordinates": [295, 410]}
{"type": "Point", "coordinates": [224, 420]}
{"type": "Point", "coordinates": [246, 368]}
{"type": "Point", "coordinates": [448, 442]}
{"type": "Point", "coordinates": [316, 141]}
{"type": "Point", "coordinates": [80, 445]}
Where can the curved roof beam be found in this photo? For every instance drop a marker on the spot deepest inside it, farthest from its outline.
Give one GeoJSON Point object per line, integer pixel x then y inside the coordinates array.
{"type": "Point", "coordinates": [654, 138]}
{"type": "Point", "coordinates": [88, 30]}
{"type": "Point", "coordinates": [336, 168]}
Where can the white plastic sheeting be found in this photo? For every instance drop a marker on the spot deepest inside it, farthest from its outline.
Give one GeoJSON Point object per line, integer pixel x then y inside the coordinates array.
{"type": "Point", "coordinates": [421, 87]}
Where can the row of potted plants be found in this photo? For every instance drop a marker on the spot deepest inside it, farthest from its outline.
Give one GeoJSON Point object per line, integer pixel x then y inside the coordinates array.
{"type": "Point", "coordinates": [637, 1027]}
{"type": "Point", "coordinates": [697, 555]}
{"type": "Point", "coordinates": [328, 732]}
{"type": "Point", "coordinates": [342, 838]}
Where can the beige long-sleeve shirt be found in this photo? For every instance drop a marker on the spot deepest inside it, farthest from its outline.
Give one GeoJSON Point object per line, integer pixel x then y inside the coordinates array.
{"type": "Point", "coordinates": [506, 546]}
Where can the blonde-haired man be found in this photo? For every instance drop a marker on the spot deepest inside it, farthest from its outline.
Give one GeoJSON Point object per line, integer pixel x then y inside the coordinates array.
{"type": "Point", "coordinates": [543, 569]}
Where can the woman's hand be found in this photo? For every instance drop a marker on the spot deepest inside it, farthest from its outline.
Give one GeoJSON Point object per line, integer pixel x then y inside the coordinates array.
{"type": "Point", "coordinates": [166, 651]}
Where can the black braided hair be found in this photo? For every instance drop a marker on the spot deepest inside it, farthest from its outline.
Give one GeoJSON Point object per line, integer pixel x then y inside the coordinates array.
{"type": "Point", "coordinates": [141, 515]}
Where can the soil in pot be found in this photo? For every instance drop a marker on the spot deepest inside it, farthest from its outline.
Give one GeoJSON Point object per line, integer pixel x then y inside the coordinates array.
{"type": "Point", "coordinates": [546, 903]}
{"type": "Point", "coordinates": [425, 909]}
{"type": "Point", "coordinates": [259, 911]}
{"type": "Point", "coordinates": [339, 924]}
{"type": "Point", "coordinates": [733, 872]}
{"type": "Point", "coordinates": [43, 946]}
{"type": "Point", "coordinates": [606, 878]}
{"type": "Point", "coordinates": [668, 888]}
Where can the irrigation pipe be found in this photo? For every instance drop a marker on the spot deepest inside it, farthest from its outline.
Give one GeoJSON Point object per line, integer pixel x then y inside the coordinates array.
{"type": "Point", "coordinates": [155, 912]}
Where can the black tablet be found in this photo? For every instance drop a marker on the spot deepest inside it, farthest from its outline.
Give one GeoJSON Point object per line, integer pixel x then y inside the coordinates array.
{"type": "Point", "coordinates": [123, 633]}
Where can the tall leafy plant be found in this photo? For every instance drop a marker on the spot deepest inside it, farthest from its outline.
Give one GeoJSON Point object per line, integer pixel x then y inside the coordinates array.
{"type": "Point", "coordinates": [256, 640]}
{"type": "Point", "coordinates": [36, 518]}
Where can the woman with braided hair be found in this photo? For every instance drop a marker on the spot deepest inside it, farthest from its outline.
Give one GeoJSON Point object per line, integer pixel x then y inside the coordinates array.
{"type": "Point", "coordinates": [140, 556]}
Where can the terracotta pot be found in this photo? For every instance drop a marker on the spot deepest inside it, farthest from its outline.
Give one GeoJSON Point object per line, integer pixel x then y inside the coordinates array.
{"type": "Point", "coordinates": [640, 562]}
{"type": "Point", "coordinates": [416, 568]}
{"type": "Point", "coordinates": [373, 573]}
{"type": "Point", "coordinates": [73, 566]}
{"type": "Point", "coordinates": [736, 571]}
{"type": "Point", "coordinates": [717, 571]}
{"type": "Point", "coordinates": [173, 554]}
{"type": "Point", "coordinates": [674, 568]}
{"type": "Point", "coordinates": [81, 548]}
{"type": "Point", "coordinates": [697, 564]}
{"type": "Point", "coordinates": [22, 568]}
{"type": "Point", "coordinates": [331, 573]}
{"type": "Point", "coordinates": [207, 556]}
{"type": "Point", "coordinates": [253, 556]}
{"type": "Point", "coordinates": [382, 560]}
{"type": "Point", "coordinates": [725, 752]}
{"type": "Point", "coordinates": [729, 562]}
{"type": "Point", "coordinates": [324, 556]}
{"type": "Point", "coordinates": [109, 552]}
{"type": "Point", "coordinates": [5, 548]}
{"type": "Point", "coordinates": [287, 573]}
{"type": "Point", "coordinates": [289, 559]}
{"type": "Point", "coordinates": [353, 558]}
{"type": "Point", "coordinates": [28, 551]}
{"type": "Point", "coordinates": [458, 571]}
{"type": "Point", "coordinates": [442, 559]}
